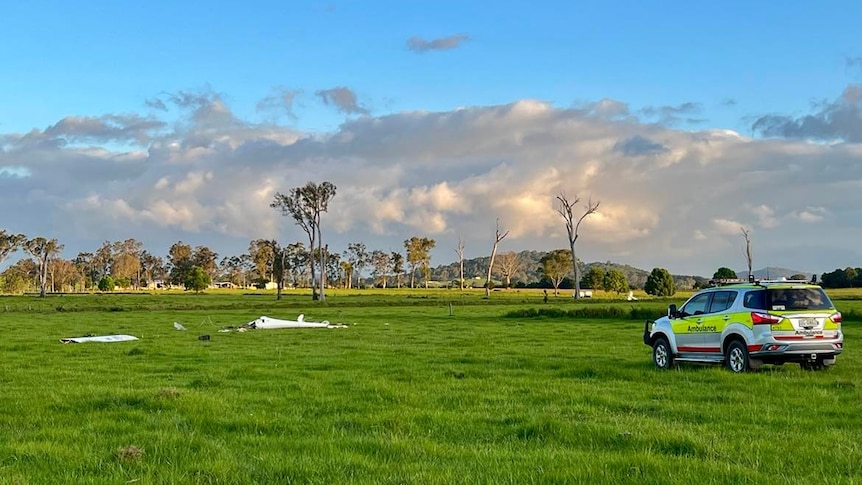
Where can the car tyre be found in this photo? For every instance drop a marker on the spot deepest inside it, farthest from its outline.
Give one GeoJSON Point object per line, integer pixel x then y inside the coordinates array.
{"type": "Point", "coordinates": [736, 357]}
{"type": "Point", "coordinates": [662, 357]}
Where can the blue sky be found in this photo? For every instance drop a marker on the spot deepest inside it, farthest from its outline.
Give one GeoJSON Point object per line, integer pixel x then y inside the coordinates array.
{"type": "Point", "coordinates": [106, 57]}
{"type": "Point", "coordinates": [494, 110]}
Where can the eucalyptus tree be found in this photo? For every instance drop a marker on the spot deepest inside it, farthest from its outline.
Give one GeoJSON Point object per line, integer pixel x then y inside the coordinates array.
{"type": "Point", "coordinates": [358, 257]}
{"type": "Point", "coordinates": [566, 209]}
{"type": "Point", "coordinates": [9, 243]}
{"type": "Point", "coordinates": [43, 250]}
{"type": "Point", "coordinates": [305, 205]}
{"type": "Point", "coordinates": [555, 266]}
{"type": "Point", "coordinates": [396, 266]}
{"type": "Point", "coordinates": [419, 256]}
{"type": "Point", "coordinates": [498, 236]}
{"type": "Point", "coordinates": [459, 250]}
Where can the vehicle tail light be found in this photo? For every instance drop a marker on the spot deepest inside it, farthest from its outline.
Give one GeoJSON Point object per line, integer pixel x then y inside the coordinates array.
{"type": "Point", "coordinates": [835, 317]}
{"type": "Point", "coordinates": [764, 319]}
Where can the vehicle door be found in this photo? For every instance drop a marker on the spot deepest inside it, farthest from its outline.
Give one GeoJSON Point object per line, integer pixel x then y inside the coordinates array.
{"type": "Point", "coordinates": [687, 328]}
{"type": "Point", "coordinates": [718, 317]}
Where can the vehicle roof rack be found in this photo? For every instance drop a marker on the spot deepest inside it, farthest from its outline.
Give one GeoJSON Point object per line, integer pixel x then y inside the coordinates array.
{"type": "Point", "coordinates": [753, 281]}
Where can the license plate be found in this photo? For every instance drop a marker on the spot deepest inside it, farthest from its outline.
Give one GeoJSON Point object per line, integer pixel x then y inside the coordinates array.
{"type": "Point", "coordinates": [808, 322]}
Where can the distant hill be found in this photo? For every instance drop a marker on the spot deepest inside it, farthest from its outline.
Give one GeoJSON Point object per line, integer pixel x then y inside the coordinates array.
{"type": "Point", "coordinates": [772, 273]}
{"type": "Point", "coordinates": [476, 269]}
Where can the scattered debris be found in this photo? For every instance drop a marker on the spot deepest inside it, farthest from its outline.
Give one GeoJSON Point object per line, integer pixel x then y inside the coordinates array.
{"type": "Point", "coordinates": [178, 326]}
{"type": "Point", "coordinates": [204, 337]}
{"type": "Point", "coordinates": [103, 338]}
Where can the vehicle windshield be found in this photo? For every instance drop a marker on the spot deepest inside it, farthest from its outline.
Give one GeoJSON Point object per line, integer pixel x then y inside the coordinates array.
{"type": "Point", "coordinates": [797, 299]}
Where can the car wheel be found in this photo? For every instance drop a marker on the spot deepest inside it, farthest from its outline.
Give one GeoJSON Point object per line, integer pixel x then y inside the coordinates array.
{"type": "Point", "coordinates": [661, 354]}
{"type": "Point", "coordinates": [736, 358]}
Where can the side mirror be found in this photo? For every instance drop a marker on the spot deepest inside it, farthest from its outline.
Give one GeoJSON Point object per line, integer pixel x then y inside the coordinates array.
{"type": "Point", "coordinates": [671, 311]}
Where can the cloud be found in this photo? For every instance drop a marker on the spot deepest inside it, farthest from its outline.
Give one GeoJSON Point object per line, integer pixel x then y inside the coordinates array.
{"type": "Point", "coordinates": [108, 128]}
{"type": "Point", "coordinates": [418, 44]}
{"type": "Point", "coordinates": [669, 198]}
{"type": "Point", "coordinates": [344, 99]}
{"type": "Point", "coordinates": [639, 146]}
{"type": "Point", "coordinates": [840, 120]}
{"type": "Point", "coordinates": [280, 102]}
{"type": "Point", "coordinates": [671, 115]}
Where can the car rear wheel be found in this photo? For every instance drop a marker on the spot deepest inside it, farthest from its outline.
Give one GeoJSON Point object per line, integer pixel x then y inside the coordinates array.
{"type": "Point", "coordinates": [736, 358]}
{"type": "Point", "coordinates": [661, 354]}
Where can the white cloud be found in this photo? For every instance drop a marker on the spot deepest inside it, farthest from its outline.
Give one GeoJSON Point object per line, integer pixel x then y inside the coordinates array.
{"type": "Point", "coordinates": [669, 198]}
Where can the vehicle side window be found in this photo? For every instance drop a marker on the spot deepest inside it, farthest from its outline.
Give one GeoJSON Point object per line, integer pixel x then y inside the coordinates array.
{"type": "Point", "coordinates": [721, 301]}
{"type": "Point", "coordinates": [755, 300]}
{"type": "Point", "coordinates": [699, 304]}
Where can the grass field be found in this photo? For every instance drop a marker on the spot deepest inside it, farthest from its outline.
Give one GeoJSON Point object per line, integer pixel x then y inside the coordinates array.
{"type": "Point", "coordinates": [413, 391]}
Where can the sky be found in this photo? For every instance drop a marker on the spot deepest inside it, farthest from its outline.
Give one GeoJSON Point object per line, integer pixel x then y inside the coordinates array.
{"type": "Point", "coordinates": [687, 121]}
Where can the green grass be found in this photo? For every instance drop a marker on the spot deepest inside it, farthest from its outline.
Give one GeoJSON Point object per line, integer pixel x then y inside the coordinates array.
{"type": "Point", "coordinates": [407, 394]}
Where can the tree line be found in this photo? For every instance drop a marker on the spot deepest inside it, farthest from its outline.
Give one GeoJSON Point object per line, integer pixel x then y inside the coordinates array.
{"type": "Point", "coordinates": [125, 264]}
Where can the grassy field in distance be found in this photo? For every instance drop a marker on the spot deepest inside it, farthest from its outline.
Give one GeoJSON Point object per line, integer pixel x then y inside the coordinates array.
{"type": "Point", "coordinates": [413, 391]}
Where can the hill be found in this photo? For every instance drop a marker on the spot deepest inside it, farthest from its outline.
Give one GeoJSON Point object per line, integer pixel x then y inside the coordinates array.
{"type": "Point", "coordinates": [476, 269]}
{"type": "Point", "coordinates": [772, 273]}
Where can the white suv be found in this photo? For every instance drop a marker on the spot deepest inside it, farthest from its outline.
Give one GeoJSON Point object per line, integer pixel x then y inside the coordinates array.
{"type": "Point", "coordinates": [746, 325]}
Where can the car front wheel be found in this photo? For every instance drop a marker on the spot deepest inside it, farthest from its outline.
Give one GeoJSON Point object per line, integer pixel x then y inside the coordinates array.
{"type": "Point", "coordinates": [661, 354]}
{"type": "Point", "coordinates": [737, 357]}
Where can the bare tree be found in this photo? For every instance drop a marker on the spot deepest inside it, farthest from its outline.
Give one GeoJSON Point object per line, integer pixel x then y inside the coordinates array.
{"type": "Point", "coordinates": [460, 252]}
{"type": "Point", "coordinates": [43, 250]}
{"type": "Point", "coordinates": [572, 226]}
{"type": "Point", "coordinates": [305, 205]}
{"type": "Point", "coordinates": [497, 238]}
{"type": "Point", "coordinates": [745, 232]}
{"type": "Point", "coordinates": [509, 264]}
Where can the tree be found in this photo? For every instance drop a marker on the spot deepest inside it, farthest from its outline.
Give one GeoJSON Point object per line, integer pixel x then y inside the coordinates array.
{"type": "Point", "coordinates": [565, 209]}
{"type": "Point", "coordinates": [260, 252]}
{"type": "Point", "coordinates": [305, 205]}
{"type": "Point", "coordinates": [180, 262]}
{"type": "Point", "coordinates": [126, 261]}
{"type": "Point", "coordinates": [497, 238]}
{"type": "Point", "coordinates": [206, 259]}
{"type": "Point", "coordinates": [379, 266]}
{"type": "Point", "coordinates": [427, 246]}
{"type": "Point", "coordinates": [460, 252]}
{"type": "Point", "coordinates": [659, 283]}
{"type": "Point", "coordinates": [278, 266]}
{"type": "Point", "coordinates": [347, 271]}
{"type": "Point", "coordinates": [9, 243]}
{"type": "Point", "coordinates": [152, 267]}
{"type": "Point", "coordinates": [357, 255]}
{"type": "Point", "coordinates": [103, 259]}
{"type": "Point", "coordinates": [615, 280]}
{"type": "Point", "coordinates": [396, 261]}
{"type": "Point", "coordinates": [724, 273]}
{"type": "Point", "coordinates": [594, 279]}
{"type": "Point", "coordinates": [106, 284]}
{"type": "Point", "coordinates": [64, 274]}
{"type": "Point", "coordinates": [747, 251]}
{"type": "Point", "coordinates": [297, 258]}
{"type": "Point", "coordinates": [197, 279]}
{"type": "Point", "coordinates": [86, 265]}
{"type": "Point", "coordinates": [509, 264]}
{"type": "Point", "coordinates": [43, 250]}
{"type": "Point", "coordinates": [555, 266]}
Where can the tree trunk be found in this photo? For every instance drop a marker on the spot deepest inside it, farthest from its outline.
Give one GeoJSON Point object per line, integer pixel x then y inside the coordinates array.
{"type": "Point", "coordinates": [577, 293]}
